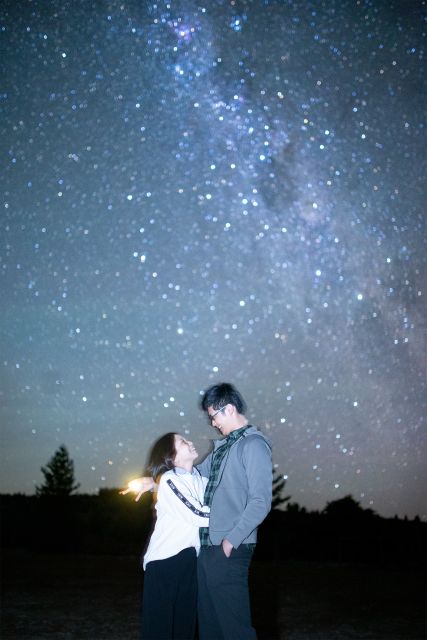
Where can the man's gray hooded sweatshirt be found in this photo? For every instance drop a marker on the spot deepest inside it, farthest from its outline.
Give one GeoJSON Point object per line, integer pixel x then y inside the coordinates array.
{"type": "Point", "coordinates": [243, 492]}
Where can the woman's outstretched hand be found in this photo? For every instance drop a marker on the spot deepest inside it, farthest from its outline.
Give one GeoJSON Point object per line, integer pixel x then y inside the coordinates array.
{"type": "Point", "coordinates": [138, 486]}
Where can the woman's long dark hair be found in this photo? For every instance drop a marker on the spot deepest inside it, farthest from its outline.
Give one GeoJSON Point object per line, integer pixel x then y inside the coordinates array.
{"type": "Point", "coordinates": [162, 456]}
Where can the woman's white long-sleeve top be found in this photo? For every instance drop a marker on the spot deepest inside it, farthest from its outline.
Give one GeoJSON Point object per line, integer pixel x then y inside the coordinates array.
{"type": "Point", "coordinates": [180, 514]}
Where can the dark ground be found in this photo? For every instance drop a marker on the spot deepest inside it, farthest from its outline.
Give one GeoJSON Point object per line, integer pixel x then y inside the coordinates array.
{"type": "Point", "coordinates": [73, 597]}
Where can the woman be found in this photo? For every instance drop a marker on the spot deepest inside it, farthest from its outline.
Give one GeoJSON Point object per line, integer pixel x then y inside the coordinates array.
{"type": "Point", "coordinates": [169, 603]}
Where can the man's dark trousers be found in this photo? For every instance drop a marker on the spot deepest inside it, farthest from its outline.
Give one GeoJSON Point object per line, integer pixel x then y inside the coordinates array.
{"type": "Point", "coordinates": [223, 597]}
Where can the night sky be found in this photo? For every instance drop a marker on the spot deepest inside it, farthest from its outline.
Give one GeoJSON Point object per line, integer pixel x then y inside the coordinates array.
{"type": "Point", "coordinates": [222, 191]}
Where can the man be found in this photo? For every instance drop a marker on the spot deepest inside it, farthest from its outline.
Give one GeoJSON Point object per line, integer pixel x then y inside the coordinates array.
{"type": "Point", "coordinates": [239, 495]}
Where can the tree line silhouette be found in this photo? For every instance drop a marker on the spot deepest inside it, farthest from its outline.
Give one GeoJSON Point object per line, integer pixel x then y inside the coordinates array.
{"type": "Point", "coordinates": [57, 519]}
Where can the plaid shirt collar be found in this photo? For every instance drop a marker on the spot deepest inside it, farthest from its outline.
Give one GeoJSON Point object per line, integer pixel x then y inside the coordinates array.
{"type": "Point", "coordinates": [234, 435]}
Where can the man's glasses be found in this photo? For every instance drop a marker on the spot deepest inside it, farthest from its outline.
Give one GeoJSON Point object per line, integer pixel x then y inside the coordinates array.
{"type": "Point", "coordinates": [212, 417]}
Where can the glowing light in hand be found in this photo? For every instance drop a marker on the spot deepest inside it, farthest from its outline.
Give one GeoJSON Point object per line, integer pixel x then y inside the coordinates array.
{"type": "Point", "coordinates": [135, 486]}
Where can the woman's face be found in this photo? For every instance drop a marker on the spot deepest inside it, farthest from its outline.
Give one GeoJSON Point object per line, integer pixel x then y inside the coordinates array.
{"type": "Point", "coordinates": [185, 451]}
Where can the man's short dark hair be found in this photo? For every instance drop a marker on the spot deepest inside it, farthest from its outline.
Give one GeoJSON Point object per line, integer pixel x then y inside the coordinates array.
{"type": "Point", "coordinates": [219, 395]}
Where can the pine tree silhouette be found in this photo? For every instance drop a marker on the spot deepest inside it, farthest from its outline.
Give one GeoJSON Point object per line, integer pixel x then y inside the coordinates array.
{"type": "Point", "coordinates": [58, 475]}
{"type": "Point", "coordinates": [278, 486]}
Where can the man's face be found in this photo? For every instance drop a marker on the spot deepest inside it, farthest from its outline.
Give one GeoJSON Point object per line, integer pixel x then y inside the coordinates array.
{"type": "Point", "coordinates": [221, 419]}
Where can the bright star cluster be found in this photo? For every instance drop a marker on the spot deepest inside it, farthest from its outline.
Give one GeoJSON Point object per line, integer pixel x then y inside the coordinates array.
{"type": "Point", "coordinates": [229, 191]}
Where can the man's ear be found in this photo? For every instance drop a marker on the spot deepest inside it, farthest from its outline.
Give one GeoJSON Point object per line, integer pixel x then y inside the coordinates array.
{"type": "Point", "coordinates": [231, 409]}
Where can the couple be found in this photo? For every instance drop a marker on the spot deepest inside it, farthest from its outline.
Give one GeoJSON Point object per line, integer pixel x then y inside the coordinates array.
{"type": "Point", "coordinates": [211, 511]}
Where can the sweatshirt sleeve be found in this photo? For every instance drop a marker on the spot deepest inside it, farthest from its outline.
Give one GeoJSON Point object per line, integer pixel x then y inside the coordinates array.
{"type": "Point", "coordinates": [256, 458]}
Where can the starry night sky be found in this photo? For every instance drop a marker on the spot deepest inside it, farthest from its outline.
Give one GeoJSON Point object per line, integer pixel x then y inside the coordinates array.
{"type": "Point", "coordinates": [228, 191]}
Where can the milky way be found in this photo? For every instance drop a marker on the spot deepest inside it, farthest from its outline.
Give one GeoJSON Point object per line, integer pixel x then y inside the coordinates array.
{"type": "Point", "coordinates": [230, 191]}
